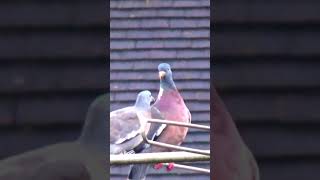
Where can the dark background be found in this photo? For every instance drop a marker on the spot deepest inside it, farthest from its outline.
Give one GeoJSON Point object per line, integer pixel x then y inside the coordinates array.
{"type": "Point", "coordinates": [53, 62]}
{"type": "Point", "coordinates": [52, 66]}
{"type": "Point", "coordinates": [267, 66]}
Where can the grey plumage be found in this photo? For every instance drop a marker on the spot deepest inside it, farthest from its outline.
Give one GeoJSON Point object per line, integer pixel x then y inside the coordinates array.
{"type": "Point", "coordinates": [172, 107]}
{"type": "Point", "coordinates": [127, 124]}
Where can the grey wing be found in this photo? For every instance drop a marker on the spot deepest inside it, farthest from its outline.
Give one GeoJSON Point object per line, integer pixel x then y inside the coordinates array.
{"type": "Point", "coordinates": [124, 125]}
{"type": "Point", "coordinates": [138, 171]}
{"type": "Point", "coordinates": [155, 128]}
{"type": "Point", "coordinates": [190, 117]}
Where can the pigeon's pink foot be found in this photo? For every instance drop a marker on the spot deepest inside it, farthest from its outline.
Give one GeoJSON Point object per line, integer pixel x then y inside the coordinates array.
{"type": "Point", "coordinates": [170, 167]}
{"type": "Point", "coordinates": [158, 166]}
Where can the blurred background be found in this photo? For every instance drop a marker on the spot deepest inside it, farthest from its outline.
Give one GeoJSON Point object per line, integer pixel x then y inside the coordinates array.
{"type": "Point", "coordinates": [267, 67]}
{"type": "Point", "coordinates": [146, 33]}
{"type": "Point", "coordinates": [52, 65]}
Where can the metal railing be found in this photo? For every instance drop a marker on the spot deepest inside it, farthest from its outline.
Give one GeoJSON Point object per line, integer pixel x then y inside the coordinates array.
{"type": "Point", "coordinates": [190, 168]}
{"type": "Point", "coordinates": [187, 154]}
{"type": "Point", "coordinates": [160, 157]}
{"type": "Point", "coordinates": [173, 147]}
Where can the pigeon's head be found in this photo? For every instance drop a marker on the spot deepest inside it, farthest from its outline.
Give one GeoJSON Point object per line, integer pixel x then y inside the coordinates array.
{"type": "Point", "coordinates": [144, 99]}
{"type": "Point", "coordinates": [165, 75]}
{"type": "Point", "coordinates": [164, 71]}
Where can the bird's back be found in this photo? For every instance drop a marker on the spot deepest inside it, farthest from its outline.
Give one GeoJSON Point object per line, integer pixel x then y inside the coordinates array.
{"type": "Point", "coordinates": [125, 123]}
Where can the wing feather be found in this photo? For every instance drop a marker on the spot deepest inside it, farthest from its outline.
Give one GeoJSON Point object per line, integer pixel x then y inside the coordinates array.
{"type": "Point", "coordinates": [124, 125]}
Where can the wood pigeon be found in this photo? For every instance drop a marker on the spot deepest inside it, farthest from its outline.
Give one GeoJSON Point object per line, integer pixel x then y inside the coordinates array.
{"type": "Point", "coordinates": [232, 158]}
{"type": "Point", "coordinates": [127, 124]}
{"type": "Point", "coordinates": [172, 107]}
{"type": "Point", "coordinates": [83, 159]}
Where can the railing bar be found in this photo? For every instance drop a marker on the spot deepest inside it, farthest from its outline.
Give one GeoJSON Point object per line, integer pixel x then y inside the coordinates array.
{"type": "Point", "coordinates": [192, 168]}
{"type": "Point", "coordinates": [163, 157]}
{"type": "Point", "coordinates": [198, 126]}
{"type": "Point", "coordinates": [180, 148]}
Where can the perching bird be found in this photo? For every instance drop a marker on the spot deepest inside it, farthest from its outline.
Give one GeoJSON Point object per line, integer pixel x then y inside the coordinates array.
{"type": "Point", "coordinates": [127, 124]}
{"type": "Point", "coordinates": [172, 107]}
{"type": "Point", "coordinates": [83, 159]}
{"type": "Point", "coordinates": [232, 159]}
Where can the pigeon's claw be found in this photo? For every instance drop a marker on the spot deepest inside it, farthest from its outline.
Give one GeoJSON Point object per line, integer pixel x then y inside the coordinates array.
{"type": "Point", "coordinates": [158, 166]}
{"type": "Point", "coordinates": [170, 167]}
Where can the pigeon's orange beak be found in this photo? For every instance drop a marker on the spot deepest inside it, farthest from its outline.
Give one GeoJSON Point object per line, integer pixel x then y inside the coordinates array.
{"type": "Point", "coordinates": [162, 74]}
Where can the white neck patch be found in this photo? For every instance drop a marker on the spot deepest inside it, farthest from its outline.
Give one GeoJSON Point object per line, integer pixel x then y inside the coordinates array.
{"type": "Point", "coordinates": [160, 93]}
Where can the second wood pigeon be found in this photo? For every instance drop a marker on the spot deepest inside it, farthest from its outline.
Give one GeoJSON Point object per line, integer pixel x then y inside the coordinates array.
{"type": "Point", "coordinates": [83, 159]}
{"type": "Point", "coordinates": [172, 107]}
{"type": "Point", "coordinates": [127, 124]}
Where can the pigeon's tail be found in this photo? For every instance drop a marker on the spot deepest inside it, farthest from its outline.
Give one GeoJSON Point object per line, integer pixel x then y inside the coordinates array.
{"type": "Point", "coordinates": [139, 171]}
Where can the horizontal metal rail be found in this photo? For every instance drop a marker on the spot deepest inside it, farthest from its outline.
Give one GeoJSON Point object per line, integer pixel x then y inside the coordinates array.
{"type": "Point", "coordinates": [174, 147]}
{"type": "Point", "coordinates": [197, 126]}
{"type": "Point", "coordinates": [162, 157]}
{"type": "Point", "coordinates": [189, 168]}
{"type": "Point", "coordinates": [187, 154]}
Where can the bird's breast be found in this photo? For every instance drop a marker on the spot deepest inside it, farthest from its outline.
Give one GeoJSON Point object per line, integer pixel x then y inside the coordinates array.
{"type": "Point", "coordinates": [173, 109]}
